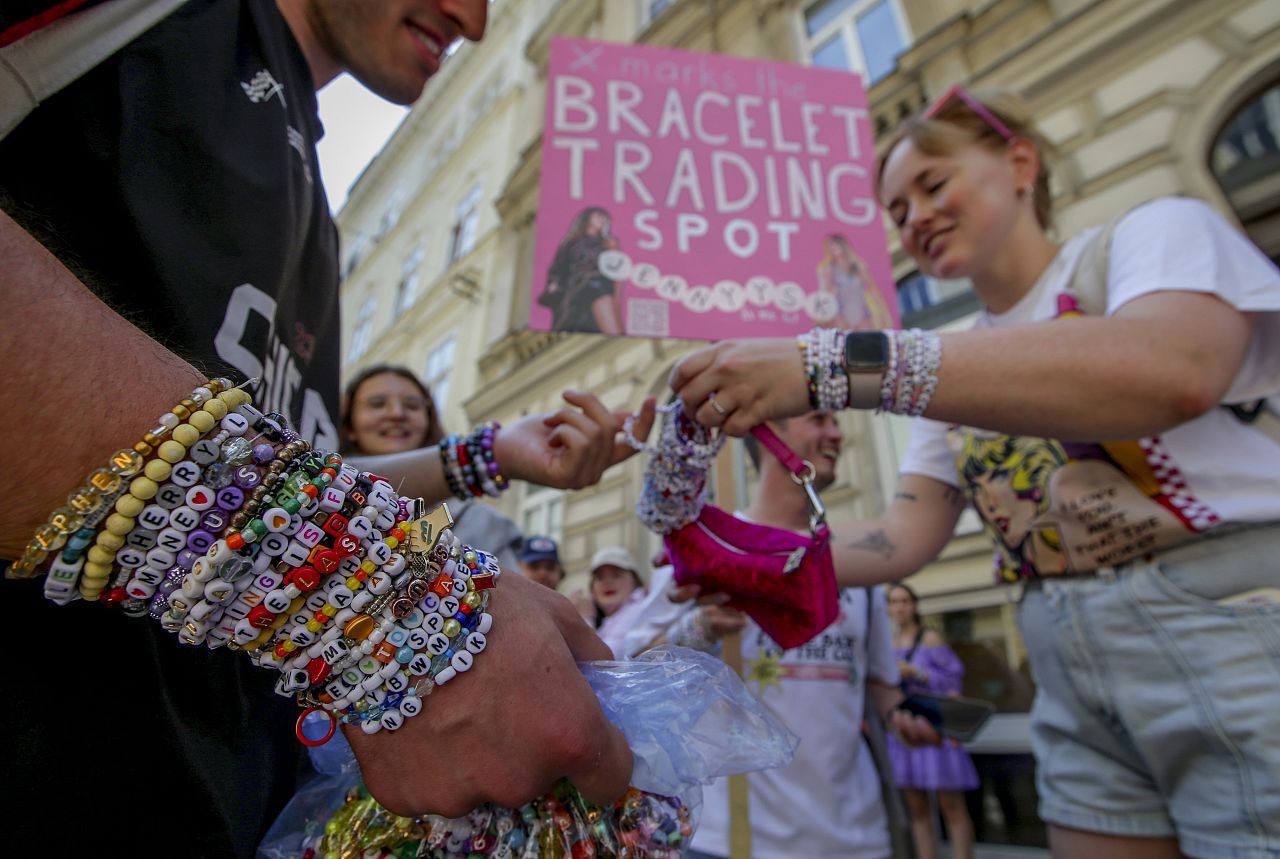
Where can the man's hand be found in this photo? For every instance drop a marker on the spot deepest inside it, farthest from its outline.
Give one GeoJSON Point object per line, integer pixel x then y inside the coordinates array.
{"type": "Point", "coordinates": [506, 730]}
{"type": "Point", "coordinates": [570, 448]}
{"type": "Point", "coordinates": [753, 381]}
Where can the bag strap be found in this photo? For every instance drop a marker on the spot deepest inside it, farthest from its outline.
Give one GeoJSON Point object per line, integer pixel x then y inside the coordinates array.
{"type": "Point", "coordinates": [778, 448]}
{"type": "Point", "coordinates": [915, 645]}
{"type": "Point", "coordinates": [801, 472]}
{"type": "Point", "coordinates": [41, 64]}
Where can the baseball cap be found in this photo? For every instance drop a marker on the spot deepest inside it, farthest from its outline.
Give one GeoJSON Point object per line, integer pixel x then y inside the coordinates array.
{"type": "Point", "coordinates": [616, 556]}
{"type": "Point", "coordinates": [539, 549]}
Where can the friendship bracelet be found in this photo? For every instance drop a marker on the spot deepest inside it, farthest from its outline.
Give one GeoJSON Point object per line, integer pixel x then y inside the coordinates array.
{"type": "Point", "coordinates": [318, 570]}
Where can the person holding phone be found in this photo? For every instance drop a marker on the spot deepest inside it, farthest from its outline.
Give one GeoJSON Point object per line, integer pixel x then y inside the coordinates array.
{"type": "Point", "coordinates": [927, 665]}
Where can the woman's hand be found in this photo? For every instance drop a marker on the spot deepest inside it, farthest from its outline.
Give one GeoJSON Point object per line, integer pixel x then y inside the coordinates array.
{"type": "Point", "coordinates": [571, 448]}
{"type": "Point", "coordinates": [753, 381]}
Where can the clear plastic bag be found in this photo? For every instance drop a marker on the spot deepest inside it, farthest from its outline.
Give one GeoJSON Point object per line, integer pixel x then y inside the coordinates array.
{"type": "Point", "coordinates": [688, 720]}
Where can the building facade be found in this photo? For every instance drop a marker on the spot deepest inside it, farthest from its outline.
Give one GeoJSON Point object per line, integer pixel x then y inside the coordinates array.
{"type": "Point", "coordinates": [1140, 98]}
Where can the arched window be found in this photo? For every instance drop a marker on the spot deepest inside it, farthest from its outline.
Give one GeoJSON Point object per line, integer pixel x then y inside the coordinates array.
{"type": "Point", "coordinates": [1245, 160]}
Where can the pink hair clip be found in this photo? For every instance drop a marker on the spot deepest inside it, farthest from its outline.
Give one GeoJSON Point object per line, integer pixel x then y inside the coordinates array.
{"type": "Point", "coordinates": [958, 91]}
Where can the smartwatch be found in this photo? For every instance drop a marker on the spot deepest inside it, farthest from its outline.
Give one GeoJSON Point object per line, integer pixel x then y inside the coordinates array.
{"type": "Point", "coordinates": [866, 359]}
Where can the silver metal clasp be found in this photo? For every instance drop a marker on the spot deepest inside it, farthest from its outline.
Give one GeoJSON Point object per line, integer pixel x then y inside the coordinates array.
{"type": "Point", "coordinates": [817, 511]}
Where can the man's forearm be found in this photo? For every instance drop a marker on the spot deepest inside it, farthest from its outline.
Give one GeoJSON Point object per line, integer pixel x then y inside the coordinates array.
{"type": "Point", "coordinates": [79, 382]}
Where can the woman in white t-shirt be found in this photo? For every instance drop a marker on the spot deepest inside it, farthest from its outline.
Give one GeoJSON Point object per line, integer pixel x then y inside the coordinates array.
{"type": "Point", "coordinates": [1086, 418]}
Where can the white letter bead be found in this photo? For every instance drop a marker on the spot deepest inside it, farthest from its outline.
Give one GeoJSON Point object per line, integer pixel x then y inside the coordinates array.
{"type": "Point", "coordinates": [411, 705]}
{"type": "Point", "coordinates": [433, 623]}
{"type": "Point", "coordinates": [476, 642]}
{"type": "Point", "coordinates": [184, 518]}
{"type": "Point", "coordinates": [437, 643]}
{"type": "Point", "coordinates": [200, 497]}
{"type": "Point", "coordinates": [379, 583]}
{"type": "Point", "coordinates": [430, 603]}
{"type": "Point", "coordinates": [352, 677]}
{"type": "Point", "coordinates": [331, 499]}
{"type": "Point", "coordinates": [302, 636]}
{"type": "Point", "coordinates": [341, 596]}
{"type": "Point", "coordinates": [140, 590]}
{"type": "Point", "coordinates": [362, 599]}
{"type": "Point", "coordinates": [449, 606]}
{"type": "Point", "coordinates": [309, 535]}
{"type": "Point", "coordinates": [386, 519]}
{"type": "Point", "coordinates": [413, 619]}
{"type": "Point", "coordinates": [296, 554]}
{"type": "Point", "coordinates": [309, 509]}
{"type": "Point", "coordinates": [186, 474]}
{"type": "Point", "coordinates": [128, 558]}
{"type": "Point", "coordinates": [343, 482]}
{"type": "Point", "coordinates": [396, 680]}
{"type": "Point", "coordinates": [234, 423]}
{"type": "Point", "coordinates": [392, 719]}
{"type": "Point", "coordinates": [218, 591]}
{"type": "Point", "coordinates": [274, 545]}
{"type": "Point", "coordinates": [276, 519]}
{"type": "Point", "coordinates": [445, 675]}
{"type": "Point", "coordinates": [161, 558]}
{"type": "Point", "coordinates": [359, 526]}
{"type": "Point", "coordinates": [153, 516]}
{"type": "Point", "coordinates": [276, 601]}
{"type": "Point", "coordinates": [485, 624]}
{"type": "Point", "coordinates": [371, 727]}
{"type": "Point", "coordinates": [379, 553]}
{"type": "Point", "coordinates": [462, 661]}
{"type": "Point", "coordinates": [459, 588]}
{"type": "Point", "coordinates": [417, 640]}
{"type": "Point", "coordinates": [397, 636]}
{"type": "Point", "coordinates": [419, 665]}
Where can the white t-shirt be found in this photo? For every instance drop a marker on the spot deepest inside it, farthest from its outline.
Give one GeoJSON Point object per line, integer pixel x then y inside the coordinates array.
{"type": "Point", "coordinates": [827, 801]}
{"type": "Point", "coordinates": [1209, 471]}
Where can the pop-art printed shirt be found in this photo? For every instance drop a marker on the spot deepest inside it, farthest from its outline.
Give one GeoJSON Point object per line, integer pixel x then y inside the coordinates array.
{"type": "Point", "coordinates": [1052, 507]}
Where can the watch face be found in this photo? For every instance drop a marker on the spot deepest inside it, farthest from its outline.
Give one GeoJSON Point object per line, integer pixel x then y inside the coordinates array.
{"type": "Point", "coordinates": [866, 351]}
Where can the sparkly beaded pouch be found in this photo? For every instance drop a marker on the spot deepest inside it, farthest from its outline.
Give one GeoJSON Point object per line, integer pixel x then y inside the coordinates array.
{"type": "Point", "coordinates": [783, 580]}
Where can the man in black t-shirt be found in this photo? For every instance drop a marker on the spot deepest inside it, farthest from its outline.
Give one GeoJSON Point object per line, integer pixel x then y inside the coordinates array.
{"type": "Point", "coordinates": [178, 181]}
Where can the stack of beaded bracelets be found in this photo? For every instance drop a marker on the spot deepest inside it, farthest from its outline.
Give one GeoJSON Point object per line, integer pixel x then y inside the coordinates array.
{"type": "Point", "coordinates": [225, 527]}
{"type": "Point", "coordinates": [908, 383]}
{"type": "Point", "coordinates": [824, 371]}
{"type": "Point", "coordinates": [470, 466]}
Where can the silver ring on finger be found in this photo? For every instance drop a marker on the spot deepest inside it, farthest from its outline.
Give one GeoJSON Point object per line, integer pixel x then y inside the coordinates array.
{"type": "Point", "coordinates": [720, 410]}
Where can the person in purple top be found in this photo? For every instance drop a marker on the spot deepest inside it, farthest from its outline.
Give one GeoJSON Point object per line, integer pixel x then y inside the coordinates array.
{"type": "Point", "coordinates": [926, 664]}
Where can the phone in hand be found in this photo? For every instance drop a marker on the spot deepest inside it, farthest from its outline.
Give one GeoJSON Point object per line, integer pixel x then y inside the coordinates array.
{"type": "Point", "coordinates": [957, 718]}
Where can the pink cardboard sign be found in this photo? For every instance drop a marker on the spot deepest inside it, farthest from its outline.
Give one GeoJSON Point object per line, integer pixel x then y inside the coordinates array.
{"type": "Point", "coordinates": [703, 196]}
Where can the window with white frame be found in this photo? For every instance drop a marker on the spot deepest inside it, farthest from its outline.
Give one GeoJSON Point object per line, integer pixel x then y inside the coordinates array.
{"type": "Point", "coordinates": [439, 367]}
{"type": "Point", "coordinates": [466, 220]}
{"type": "Point", "coordinates": [407, 288]}
{"type": "Point", "coordinates": [359, 245]}
{"type": "Point", "coordinates": [364, 328]}
{"type": "Point", "coordinates": [863, 36]}
{"type": "Point", "coordinates": [542, 512]}
{"type": "Point", "coordinates": [391, 214]}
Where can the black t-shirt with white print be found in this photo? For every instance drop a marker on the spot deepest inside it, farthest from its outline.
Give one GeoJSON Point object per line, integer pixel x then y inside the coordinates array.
{"type": "Point", "coordinates": [179, 179]}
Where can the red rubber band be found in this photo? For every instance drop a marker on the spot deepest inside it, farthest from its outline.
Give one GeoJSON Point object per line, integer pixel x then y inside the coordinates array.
{"type": "Point", "coordinates": [304, 739]}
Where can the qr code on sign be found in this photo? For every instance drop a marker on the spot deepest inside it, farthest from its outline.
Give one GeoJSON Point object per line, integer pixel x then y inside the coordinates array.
{"type": "Point", "coordinates": [647, 317]}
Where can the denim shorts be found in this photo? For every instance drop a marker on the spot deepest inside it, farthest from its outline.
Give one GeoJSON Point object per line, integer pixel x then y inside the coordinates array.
{"type": "Point", "coordinates": [1157, 712]}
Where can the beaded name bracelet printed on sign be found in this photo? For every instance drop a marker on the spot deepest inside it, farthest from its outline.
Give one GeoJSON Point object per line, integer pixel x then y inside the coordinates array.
{"type": "Point", "coordinates": [223, 525]}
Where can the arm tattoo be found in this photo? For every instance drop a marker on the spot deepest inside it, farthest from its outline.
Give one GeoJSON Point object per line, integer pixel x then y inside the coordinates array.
{"type": "Point", "coordinates": [878, 542]}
